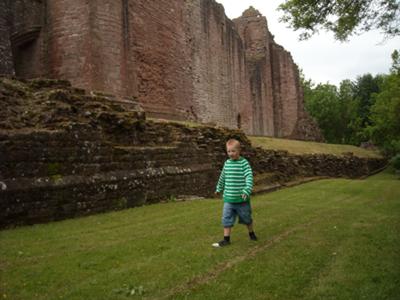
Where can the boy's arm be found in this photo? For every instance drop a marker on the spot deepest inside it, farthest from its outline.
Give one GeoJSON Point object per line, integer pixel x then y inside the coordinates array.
{"type": "Point", "coordinates": [248, 175]}
{"type": "Point", "coordinates": [221, 181]}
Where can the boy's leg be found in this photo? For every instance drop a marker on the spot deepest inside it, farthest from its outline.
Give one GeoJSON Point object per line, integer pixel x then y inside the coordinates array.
{"type": "Point", "coordinates": [227, 231]}
{"type": "Point", "coordinates": [227, 238]}
{"type": "Point", "coordinates": [252, 235]}
{"type": "Point", "coordinates": [228, 219]}
{"type": "Point", "coordinates": [245, 218]}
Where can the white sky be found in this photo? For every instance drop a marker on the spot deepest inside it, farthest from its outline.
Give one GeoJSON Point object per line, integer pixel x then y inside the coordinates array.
{"type": "Point", "coordinates": [321, 58]}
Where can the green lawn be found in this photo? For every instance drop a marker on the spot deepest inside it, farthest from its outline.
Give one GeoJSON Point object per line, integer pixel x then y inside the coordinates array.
{"type": "Point", "coordinates": [292, 146]}
{"type": "Point", "coordinates": [306, 147]}
{"type": "Point", "coordinates": [328, 239]}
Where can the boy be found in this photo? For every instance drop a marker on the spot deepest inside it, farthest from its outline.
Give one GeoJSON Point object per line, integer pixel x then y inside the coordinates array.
{"type": "Point", "coordinates": [236, 180]}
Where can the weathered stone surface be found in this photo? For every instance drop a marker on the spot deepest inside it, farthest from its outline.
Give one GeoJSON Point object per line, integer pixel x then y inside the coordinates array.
{"type": "Point", "coordinates": [66, 153]}
{"type": "Point", "coordinates": [182, 60]}
{"type": "Point", "coordinates": [306, 129]}
{"type": "Point", "coordinates": [6, 63]}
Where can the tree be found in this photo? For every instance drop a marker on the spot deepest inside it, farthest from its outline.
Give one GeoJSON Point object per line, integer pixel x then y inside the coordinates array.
{"type": "Point", "coordinates": [342, 17]}
{"type": "Point", "coordinates": [385, 113]}
{"type": "Point", "coordinates": [349, 108]}
{"type": "Point", "coordinates": [395, 69]}
{"type": "Point", "coordinates": [365, 86]}
{"type": "Point", "coordinates": [385, 116]}
{"type": "Point", "coordinates": [322, 103]}
{"type": "Point", "coordinates": [361, 110]}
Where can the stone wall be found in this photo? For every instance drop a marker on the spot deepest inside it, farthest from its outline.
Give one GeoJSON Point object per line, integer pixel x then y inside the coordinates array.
{"type": "Point", "coordinates": [90, 43]}
{"type": "Point", "coordinates": [6, 62]}
{"type": "Point", "coordinates": [163, 59]}
{"type": "Point", "coordinates": [65, 152]}
{"type": "Point", "coordinates": [253, 30]}
{"type": "Point", "coordinates": [190, 62]}
{"type": "Point", "coordinates": [182, 60]}
{"type": "Point", "coordinates": [28, 37]}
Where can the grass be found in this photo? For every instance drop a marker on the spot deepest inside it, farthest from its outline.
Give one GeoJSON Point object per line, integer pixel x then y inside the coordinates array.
{"type": "Point", "coordinates": [189, 124]}
{"type": "Point", "coordinates": [328, 239]}
{"type": "Point", "coordinates": [305, 147]}
{"type": "Point", "coordinates": [292, 146]}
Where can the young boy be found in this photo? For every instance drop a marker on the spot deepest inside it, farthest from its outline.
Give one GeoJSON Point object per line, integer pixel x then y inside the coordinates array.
{"type": "Point", "coordinates": [236, 180]}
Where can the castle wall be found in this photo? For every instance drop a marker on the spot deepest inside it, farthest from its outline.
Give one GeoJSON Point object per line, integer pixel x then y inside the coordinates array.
{"type": "Point", "coordinates": [6, 63]}
{"type": "Point", "coordinates": [163, 66]}
{"type": "Point", "coordinates": [190, 62]}
{"type": "Point", "coordinates": [69, 43]}
{"type": "Point", "coordinates": [28, 37]}
{"type": "Point", "coordinates": [182, 60]}
{"type": "Point", "coordinates": [219, 78]}
{"type": "Point", "coordinates": [287, 91]}
{"type": "Point", "coordinates": [90, 44]}
{"type": "Point", "coordinates": [112, 57]}
{"type": "Point", "coordinates": [253, 30]}
{"type": "Point", "coordinates": [72, 154]}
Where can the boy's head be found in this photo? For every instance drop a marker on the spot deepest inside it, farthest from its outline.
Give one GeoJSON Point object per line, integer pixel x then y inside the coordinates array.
{"type": "Point", "coordinates": [233, 148]}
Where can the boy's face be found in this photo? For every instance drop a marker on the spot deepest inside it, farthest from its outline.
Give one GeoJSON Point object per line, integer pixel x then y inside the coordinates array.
{"type": "Point", "coordinates": [233, 151]}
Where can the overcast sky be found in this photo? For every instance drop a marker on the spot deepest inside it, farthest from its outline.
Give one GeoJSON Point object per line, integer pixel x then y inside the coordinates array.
{"type": "Point", "coordinates": [321, 58]}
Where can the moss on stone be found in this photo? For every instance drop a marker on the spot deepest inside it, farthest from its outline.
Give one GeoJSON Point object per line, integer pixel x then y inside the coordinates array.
{"type": "Point", "coordinates": [53, 169]}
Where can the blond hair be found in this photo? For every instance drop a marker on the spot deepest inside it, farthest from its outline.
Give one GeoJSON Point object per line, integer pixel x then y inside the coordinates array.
{"type": "Point", "coordinates": [233, 142]}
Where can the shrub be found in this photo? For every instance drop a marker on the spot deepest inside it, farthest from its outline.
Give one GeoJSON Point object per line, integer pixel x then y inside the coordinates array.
{"type": "Point", "coordinates": [395, 162]}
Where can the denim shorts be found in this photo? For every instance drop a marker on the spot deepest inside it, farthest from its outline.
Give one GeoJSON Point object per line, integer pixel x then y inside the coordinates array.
{"type": "Point", "coordinates": [231, 210]}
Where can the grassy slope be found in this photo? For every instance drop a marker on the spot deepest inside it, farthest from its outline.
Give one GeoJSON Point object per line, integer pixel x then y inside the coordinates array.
{"type": "Point", "coordinates": [303, 147]}
{"type": "Point", "coordinates": [293, 146]}
{"type": "Point", "coordinates": [329, 239]}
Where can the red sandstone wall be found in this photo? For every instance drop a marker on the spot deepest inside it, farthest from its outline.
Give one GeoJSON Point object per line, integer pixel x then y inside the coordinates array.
{"type": "Point", "coordinates": [288, 94]}
{"type": "Point", "coordinates": [190, 62]}
{"type": "Point", "coordinates": [253, 30]}
{"type": "Point", "coordinates": [181, 59]}
{"type": "Point", "coordinates": [90, 43]}
{"type": "Point", "coordinates": [218, 66]}
{"type": "Point", "coordinates": [163, 64]}
{"type": "Point", "coordinates": [69, 43]}
{"type": "Point", "coordinates": [274, 81]}
{"type": "Point", "coordinates": [28, 37]}
{"type": "Point", "coordinates": [111, 40]}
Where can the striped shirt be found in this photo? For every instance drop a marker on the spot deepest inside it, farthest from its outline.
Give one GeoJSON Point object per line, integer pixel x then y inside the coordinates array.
{"type": "Point", "coordinates": [235, 180]}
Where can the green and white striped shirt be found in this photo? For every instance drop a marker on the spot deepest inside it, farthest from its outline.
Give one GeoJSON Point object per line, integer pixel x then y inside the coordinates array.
{"type": "Point", "coordinates": [235, 180]}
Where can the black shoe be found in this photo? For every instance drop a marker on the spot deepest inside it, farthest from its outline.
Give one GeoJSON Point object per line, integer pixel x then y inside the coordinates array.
{"type": "Point", "coordinates": [253, 237]}
{"type": "Point", "coordinates": [220, 244]}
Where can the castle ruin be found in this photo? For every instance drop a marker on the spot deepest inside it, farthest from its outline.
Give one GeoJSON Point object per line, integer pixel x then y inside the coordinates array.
{"type": "Point", "coordinates": [180, 59]}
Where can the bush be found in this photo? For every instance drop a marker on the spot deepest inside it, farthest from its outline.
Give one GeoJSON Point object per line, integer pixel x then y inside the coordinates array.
{"type": "Point", "coordinates": [391, 148]}
{"type": "Point", "coordinates": [395, 162]}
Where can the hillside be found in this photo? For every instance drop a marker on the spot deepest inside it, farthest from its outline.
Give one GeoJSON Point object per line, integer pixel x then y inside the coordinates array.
{"type": "Point", "coordinates": [67, 152]}
{"type": "Point", "coordinates": [308, 147]}
{"type": "Point", "coordinates": [294, 146]}
{"type": "Point", "coordinates": [336, 238]}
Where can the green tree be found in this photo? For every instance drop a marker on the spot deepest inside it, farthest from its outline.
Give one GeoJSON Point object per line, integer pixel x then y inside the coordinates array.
{"type": "Point", "coordinates": [322, 103]}
{"type": "Point", "coordinates": [342, 17]}
{"type": "Point", "coordinates": [385, 113]}
{"type": "Point", "coordinates": [395, 69]}
{"type": "Point", "coordinates": [349, 107]}
{"type": "Point", "coordinates": [365, 86]}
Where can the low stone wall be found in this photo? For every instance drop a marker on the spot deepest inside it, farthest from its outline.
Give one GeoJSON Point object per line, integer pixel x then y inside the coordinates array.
{"type": "Point", "coordinates": [53, 175]}
{"type": "Point", "coordinates": [66, 153]}
{"type": "Point", "coordinates": [310, 165]}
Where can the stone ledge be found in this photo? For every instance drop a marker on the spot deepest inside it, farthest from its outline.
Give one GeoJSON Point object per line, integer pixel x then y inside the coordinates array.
{"type": "Point", "coordinates": [133, 176]}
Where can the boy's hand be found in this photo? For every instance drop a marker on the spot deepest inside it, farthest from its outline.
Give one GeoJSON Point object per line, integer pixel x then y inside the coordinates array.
{"type": "Point", "coordinates": [244, 196]}
{"type": "Point", "coordinates": [217, 193]}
